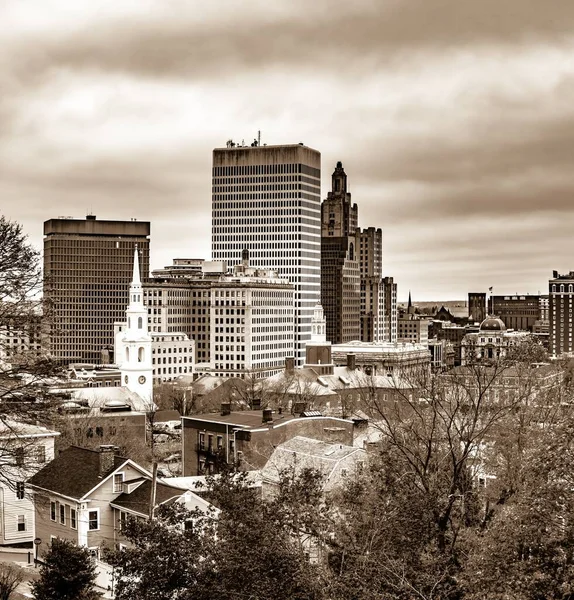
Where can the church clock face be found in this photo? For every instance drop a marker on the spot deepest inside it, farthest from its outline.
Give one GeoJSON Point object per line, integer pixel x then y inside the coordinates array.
{"type": "Point", "coordinates": [126, 379]}
{"type": "Point", "coordinates": [141, 379]}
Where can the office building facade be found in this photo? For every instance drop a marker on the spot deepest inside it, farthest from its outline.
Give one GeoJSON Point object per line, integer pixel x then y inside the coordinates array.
{"type": "Point", "coordinates": [516, 312]}
{"type": "Point", "coordinates": [561, 299]}
{"type": "Point", "coordinates": [267, 199]}
{"type": "Point", "coordinates": [477, 306]}
{"type": "Point", "coordinates": [340, 275]}
{"type": "Point", "coordinates": [87, 269]}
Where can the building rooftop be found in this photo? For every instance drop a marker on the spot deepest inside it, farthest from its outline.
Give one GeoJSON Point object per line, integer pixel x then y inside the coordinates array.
{"type": "Point", "coordinates": [74, 472]}
{"type": "Point", "coordinates": [301, 453]}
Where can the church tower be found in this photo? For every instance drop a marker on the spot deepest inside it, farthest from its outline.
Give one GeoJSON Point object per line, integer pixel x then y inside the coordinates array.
{"type": "Point", "coordinates": [318, 355]}
{"type": "Point", "coordinates": [134, 343]}
{"type": "Point", "coordinates": [318, 325]}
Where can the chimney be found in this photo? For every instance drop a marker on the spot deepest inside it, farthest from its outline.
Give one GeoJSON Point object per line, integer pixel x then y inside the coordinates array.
{"type": "Point", "coordinates": [289, 364]}
{"type": "Point", "coordinates": [106, 459]}
{"type": "Point", "coordinates": [225, 408]}
{"type": "Point", "coordinates": [351, 360]}
{"type": "Point", "coordinates": [267, 415]}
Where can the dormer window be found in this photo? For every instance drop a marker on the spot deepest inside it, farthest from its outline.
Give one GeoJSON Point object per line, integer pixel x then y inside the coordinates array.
{"type": "Point", "coordinates": [118, 483]}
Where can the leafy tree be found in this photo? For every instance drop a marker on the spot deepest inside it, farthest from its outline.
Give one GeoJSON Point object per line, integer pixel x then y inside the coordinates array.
{"type": "Point", "coordinates": [10, 578]}
{"type": "Point", "coordinates": [247, 551]}
{"type": "Point", "coordinates": [68, 573]}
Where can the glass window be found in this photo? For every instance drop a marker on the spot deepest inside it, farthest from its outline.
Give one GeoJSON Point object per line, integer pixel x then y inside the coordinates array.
{"type": "Point", "coordinates": [118, 482]}
{"type": "Point", "coordinates": [93, 520]}
{"type": "Point", "coordinates": [73, 518]}
{"type": "Point", "coordinates": [21, 523]}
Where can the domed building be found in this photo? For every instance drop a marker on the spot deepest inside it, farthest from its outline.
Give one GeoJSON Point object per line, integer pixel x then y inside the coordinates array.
{"type": "Point", "coordinates": [491, 342]}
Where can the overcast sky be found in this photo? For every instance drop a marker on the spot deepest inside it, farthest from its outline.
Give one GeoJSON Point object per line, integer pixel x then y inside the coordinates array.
{"type": "Point", "coordinates": [454, 120]}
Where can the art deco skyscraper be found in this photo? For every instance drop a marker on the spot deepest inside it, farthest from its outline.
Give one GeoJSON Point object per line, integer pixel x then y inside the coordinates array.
{"type": "Point", "coordinates": [340, 276]}
{"type": "Point", "coordinates": [87, 268]}
{"type": "Point", "coordinates": [267, 199]}
{"type": "Point", "coordinates": [359, 303]}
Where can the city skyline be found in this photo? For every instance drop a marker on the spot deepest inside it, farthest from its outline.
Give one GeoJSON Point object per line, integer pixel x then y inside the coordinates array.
{"type": "Point", "coordinates": [453, 121]}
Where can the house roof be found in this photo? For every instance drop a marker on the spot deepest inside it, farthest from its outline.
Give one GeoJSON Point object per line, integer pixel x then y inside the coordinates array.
{"type": "Point", "coordinates": [242, 418]}
{"type": "Point", "coordinates": [74, 472]}
{"type": "Point", "coordinates": [138, 500]}
{"type": "Point", "coordinates": [98, 396]}
{"type": "Point", "coordinates": [301, 453]}
{"type": "Point", "coordinates": [15, 429]}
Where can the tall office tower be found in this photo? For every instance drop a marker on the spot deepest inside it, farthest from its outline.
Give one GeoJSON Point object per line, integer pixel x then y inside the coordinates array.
{"type": "Point", "coordinates": [267, 199]}
{"type": "Point", "coordinates": [477, 306]}
{"type": "Point", "coordinates": [370, 244]}
{"type": "Point", "coordinates": [340, 276]}
{"type": "Point", "coordinates": [561, 291]}
{"type": "Point", "coordinates": [87, 269]}
{"type": "Point", "coordinates": [389, 309]}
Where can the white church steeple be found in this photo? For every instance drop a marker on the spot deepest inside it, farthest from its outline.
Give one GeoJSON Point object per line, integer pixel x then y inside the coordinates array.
{"type": "Point", "coordinates": [318, 324]}
{"type": "Point", "coordinates": [133, 346]}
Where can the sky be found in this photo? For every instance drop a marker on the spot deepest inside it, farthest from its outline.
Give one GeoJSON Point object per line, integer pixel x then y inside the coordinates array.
{"type": "Point", "coordinates": [454, 120]}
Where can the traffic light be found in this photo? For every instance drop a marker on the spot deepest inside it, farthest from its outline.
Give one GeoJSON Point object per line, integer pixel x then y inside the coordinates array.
{"type": "Point", "coordinates": [20, 490]}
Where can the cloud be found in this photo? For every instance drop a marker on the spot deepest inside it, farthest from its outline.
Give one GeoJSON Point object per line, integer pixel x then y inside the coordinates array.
{"type": "Point", "coordinates": [453, 120]}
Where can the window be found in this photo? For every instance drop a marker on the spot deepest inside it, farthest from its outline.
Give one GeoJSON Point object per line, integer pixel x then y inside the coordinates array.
{"type": "Point", "coordinates": [52, 511]}
{"type": "Point", "coordinates": [41, 454]}
{"type": "Point", "coordinates": [20, 490]}
{"type": "Point", "coordinates": [21, 523]}
{"type": "Point", "coordinates": [202, 441]}
{"type": "Point", "coordinates": [93, 520]}
{"type": "Point", "coordinates": [62, 514]}
{"type": "Point", "coordinates": [118, 483]}
{"type": "Point", "coordinates": [73, 518]}
{"type": "Point", "coordinates": [19, 456]}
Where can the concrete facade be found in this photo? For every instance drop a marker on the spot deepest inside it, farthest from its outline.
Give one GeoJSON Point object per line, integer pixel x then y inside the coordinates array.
{"type": "Point", "coordinates": [87, 269]}
{"type": "Point", "coordinates": [267, 199]}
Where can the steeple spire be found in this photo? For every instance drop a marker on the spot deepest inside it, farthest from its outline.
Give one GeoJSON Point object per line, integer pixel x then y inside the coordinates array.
{"type": "Point", "coordinates": [136, 279]}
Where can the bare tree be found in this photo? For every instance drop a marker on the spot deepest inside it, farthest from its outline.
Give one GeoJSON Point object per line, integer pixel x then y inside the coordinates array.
{"type": "Point", "coordinates": [11, 576]}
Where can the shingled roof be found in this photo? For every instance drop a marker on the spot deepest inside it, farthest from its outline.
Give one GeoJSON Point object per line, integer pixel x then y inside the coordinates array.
{"type": "Point", "coordinates": [74, 472]}
{"type": "Point", "coordinates": [138, 500]}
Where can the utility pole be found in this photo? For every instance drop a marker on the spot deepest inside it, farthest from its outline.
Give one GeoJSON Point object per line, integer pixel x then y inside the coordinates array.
{"type": "Point", "coordinates": [153, 489]}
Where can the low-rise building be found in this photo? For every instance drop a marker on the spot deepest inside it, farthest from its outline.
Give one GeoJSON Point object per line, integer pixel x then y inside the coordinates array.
{"type": "Point", "coordinates": [335, 462]}
{"type": "Point", "coordinates": [392, 359]}
{"type": "Point", "coordinates": [491, 342]}
{"type": "Point", "coordinates": [247, 438]}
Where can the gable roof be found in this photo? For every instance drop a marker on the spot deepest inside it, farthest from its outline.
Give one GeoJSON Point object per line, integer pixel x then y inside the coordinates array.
{"type": "Point", "coordinates": [301, 452]}
{"type": "Point", "coordinates": [74, 472]}
{"type": "Point", "coordinates": [138, 500]}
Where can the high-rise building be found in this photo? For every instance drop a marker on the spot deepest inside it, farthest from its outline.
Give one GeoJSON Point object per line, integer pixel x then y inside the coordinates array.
{"type": "Point", "coordinates": [373, 297]}
{"type": "Point", "coordinates": [87, 269]}
{"type": "Point", "coordinates": [477, 306]}
{"type": "Point", "coordinates": [340, 276]}
{"type": "Point", "coordinates": [389, 309]}
{"type": "Point", "coordinates": [267, 199]}
{"type": "Point", "coordinates": [561, 291]}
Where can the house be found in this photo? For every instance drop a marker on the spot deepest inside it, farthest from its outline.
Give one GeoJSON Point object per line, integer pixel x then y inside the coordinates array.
{"type": "Point", "coordinates": [84, 496]}
{"type": "Point", "coordinates": [24, 449]}
{"type": "Point", "coordinates": [334, 461]}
